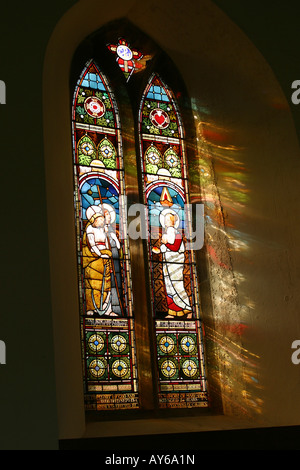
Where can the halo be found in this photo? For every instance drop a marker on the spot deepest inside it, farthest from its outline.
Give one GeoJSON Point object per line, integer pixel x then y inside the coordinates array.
{"type": "Point", "coordinates": [111, 210]}
{"type": "Point", "coordinates": [168, 211]}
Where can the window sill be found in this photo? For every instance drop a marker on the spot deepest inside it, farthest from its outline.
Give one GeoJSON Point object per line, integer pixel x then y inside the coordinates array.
{"type": "Point", "coordinates": [153, 425]}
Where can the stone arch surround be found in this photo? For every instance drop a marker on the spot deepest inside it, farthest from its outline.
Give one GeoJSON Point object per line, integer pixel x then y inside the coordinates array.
{"type": "Point", "coordinates": [244, 127]}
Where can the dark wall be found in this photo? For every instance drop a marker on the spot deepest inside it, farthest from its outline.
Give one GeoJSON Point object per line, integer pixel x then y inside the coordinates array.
{"type": "Point", "coordinates": [27, 384]}
{"type": "Point", "coordinates": [273, 28]}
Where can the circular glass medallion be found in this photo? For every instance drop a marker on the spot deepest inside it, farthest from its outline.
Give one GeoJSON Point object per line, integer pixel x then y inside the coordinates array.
{"type": "Point", "coordinates": [120, 368]}
{"type": "Point", "coordinates": [94, 107]}
{"type": "Point", "coordinates": [87, 148]}
{"type": "Point", "coordinates": [188, 344]}
{"type": "Point", "coordinates": [124, 52]}
{"type": "Point", "coordinates": [168, 368]}
{"type": "Point", "coordinates": [153, 157]}
{"type": "Point", "coordinates": [171, 159]}
{"type": "Point", "coordinates": [97, 368]}
{"type": "Point", "coordinates": [96, 343]}
{"type": "Point", "coordinates": [166, 344]}
{"type": "Point", "coordinates": [118, 343]}
{"type": "Point", "coordinates": [106, 151]}
{"type": "Point", "coordinates": [189, 368]}
{"type": "Point", "coordinates": [159, 118]}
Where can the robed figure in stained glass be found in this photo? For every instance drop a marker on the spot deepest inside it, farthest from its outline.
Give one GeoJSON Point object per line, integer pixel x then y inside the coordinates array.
{"type": "Point", "coordinates": [117, 253]}
{"type": "Point", "coordinates": [107, 314]}
{"type": "Point", "coordinates": [173, 252]}
{"type": "Point", "coordinates": [98, 265]}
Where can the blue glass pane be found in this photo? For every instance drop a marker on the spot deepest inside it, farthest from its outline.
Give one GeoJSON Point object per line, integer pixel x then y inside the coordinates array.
{"type": "Point", "coordinates": [94, 81]}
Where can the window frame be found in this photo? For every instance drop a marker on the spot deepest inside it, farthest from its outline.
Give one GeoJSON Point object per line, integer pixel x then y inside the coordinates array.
{"type": "Point", "coordinates": [128, 101]}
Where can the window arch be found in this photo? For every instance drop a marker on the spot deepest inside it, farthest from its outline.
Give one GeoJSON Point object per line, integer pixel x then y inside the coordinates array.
{"type": "Point", "coordinates": [173, 338]}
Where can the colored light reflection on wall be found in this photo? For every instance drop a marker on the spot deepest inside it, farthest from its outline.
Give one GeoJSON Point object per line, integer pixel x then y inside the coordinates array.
{"type": "Point", "coordinates": [234, 368]}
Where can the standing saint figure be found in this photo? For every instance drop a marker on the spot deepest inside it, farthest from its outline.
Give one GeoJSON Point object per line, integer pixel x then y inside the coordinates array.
{"type": "Point", "coordinates": [97, 264]}
{"type": "Point", "coordinates": [172, 249]}
{"type": "Point", "coordinates": [115, 247]}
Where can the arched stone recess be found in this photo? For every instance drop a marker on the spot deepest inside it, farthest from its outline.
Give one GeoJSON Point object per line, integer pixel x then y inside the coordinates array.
{"type": "Point", "coordinates": [240, 126]}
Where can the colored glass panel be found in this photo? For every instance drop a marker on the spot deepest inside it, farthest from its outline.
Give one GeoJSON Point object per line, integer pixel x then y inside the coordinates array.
{"type": "Point", "coordinates": [176, 311]}
{"type": "Point", "coordinates": [107, 319]}
{"type": "Point", "coordinates": [159, 115]}
{"type": "Point", "coordinates": [126, 57]}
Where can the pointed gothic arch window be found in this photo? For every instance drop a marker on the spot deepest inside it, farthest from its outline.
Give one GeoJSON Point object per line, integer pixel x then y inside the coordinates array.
{"type": "Point", "coordinates": [107, 322]}
{"type": "Point", "coordinates": [113, 375]}
{"type": "Point", "coordinates": [174, 292]}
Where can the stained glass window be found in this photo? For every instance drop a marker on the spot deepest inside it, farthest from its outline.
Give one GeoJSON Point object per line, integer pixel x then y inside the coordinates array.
{"type": "Point", "coordinates": [174, 291]}
{"type": "Point", "coordinates": [106, 319]}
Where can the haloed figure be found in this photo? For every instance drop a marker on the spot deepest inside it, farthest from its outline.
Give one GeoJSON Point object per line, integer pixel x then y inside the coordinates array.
{"type": "Point", "coordinates": [97, 263]}
{"type": "Point", "coordinates": [172, 248]}
{"type": "Point", "coordinates": [116, 280]}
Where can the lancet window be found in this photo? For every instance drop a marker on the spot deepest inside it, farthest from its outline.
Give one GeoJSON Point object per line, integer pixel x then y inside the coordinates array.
{"type": "Point", "coordinates": [107, 321]}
